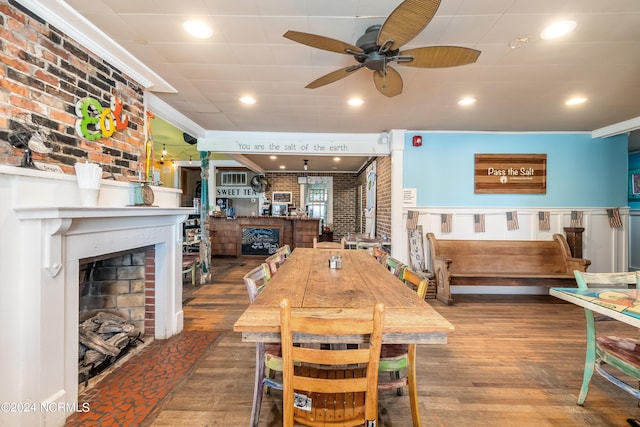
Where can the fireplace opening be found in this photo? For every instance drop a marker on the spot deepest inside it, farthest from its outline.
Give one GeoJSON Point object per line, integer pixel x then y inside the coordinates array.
{"type": "Point", "coordinates": [117, 307]}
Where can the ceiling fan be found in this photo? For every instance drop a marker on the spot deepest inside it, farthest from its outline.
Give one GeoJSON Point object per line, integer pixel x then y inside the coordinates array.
{"type": "Point", "coordinates": [380, 45]}
{"type": "Point", "coordinates": [259, 184]}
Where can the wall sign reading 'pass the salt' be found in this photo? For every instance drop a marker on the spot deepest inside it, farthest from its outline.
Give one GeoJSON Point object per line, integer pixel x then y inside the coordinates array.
{"type": "Point", "coordinates": [510, 173]}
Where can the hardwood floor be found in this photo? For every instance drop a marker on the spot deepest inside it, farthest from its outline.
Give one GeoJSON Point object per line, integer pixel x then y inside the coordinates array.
{"type": "Point", "coordinates": [512, 361]}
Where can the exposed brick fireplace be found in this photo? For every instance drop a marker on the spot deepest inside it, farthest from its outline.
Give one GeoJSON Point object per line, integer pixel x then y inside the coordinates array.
{"type": "Point", "coordinates": [123, 284]}
{"type": "Point", "coordinates": [116, 308]}
{"type": "Point", "coordinates": [52, 235]}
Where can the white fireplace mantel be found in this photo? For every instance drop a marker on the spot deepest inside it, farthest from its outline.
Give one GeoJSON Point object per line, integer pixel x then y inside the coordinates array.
{"type": "Point", "coordinates": [57, 222]}
{"type": "Point", "coordinates": [45, 233]}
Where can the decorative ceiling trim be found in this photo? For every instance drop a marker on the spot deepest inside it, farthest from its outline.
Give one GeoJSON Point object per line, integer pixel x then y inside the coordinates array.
{"type": "Point", "coordinates": [617, 128]}
{"type": "Point", "coordinates": [169, 114]}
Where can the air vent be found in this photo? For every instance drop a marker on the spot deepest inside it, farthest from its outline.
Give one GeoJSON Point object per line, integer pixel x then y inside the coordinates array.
{"type": "Point", "coordinates": [234, 178]}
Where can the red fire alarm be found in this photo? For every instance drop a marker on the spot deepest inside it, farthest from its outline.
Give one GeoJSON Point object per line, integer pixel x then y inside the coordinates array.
{"type": "Point", "coordinates": [417, 141]}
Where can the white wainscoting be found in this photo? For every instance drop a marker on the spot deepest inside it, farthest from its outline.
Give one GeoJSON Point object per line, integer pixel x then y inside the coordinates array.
{"type": "Point", "coordinates": [607, 248]}
{"type": "Point", "coordinates": [634, 240]}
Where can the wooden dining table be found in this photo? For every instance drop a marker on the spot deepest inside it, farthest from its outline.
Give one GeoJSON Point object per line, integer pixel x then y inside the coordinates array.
{"type": "Point", "coordinates": [351, 291]}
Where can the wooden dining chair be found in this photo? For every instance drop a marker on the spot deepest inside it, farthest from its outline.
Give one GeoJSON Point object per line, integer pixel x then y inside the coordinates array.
{"type": "Point", "coordinates": [326, 386]}
{"type": "Point", "coordinates": [395, 266]}
{"type": "Point", "coordinates": [380, 255]}
{"type": "Point", "coordinates": [268, 356]}
{"type": "Point", "coordinates": [396, 359]}
{"type": "Point", "coordinates": [275, 261]}
{"type": "Point", "coordinates": [621, 353]}
{"type": "Point", "coordinates": [368, 243]}
{"type": "Point", "coordinates": [327, 245]}
{"type": "Point", "coordinates": [285, 249]}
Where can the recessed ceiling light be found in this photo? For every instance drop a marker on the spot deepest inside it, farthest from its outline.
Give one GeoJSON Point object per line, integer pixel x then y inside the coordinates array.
{"type": "Point", "coordinates": [283, 167]}
{"type": "Point", "coordinates": [197, 29]}
{"type": "Point", "coordinates": [558, 29]}
{"type": "Point", "coordinates": [336, 159]}
{"type": "Point", "coordinates": [248, 100]}
{"type": "Point", "coordinates": [467, 101]}
{"type": "Point", "coordinates": [273, 157]}
{"type": "Point", "coordinates": [355, 102]}
{"type": "Point", "coordinates": [576, 100]}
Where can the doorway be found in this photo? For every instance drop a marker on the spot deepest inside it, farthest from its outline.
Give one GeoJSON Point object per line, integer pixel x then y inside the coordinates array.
{"type": "Point", "coordinates": [190, 184]}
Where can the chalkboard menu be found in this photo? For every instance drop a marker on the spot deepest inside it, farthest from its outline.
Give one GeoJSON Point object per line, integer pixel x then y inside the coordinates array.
{"type": "Point", "coordinates": [260, 240]}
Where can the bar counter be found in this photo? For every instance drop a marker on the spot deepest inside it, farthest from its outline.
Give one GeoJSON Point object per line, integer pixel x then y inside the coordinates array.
{"type": "Point", "coordinates": [257, 235]}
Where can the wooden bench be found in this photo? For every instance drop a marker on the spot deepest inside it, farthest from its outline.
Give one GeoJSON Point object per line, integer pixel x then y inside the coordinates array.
{"type": "Point", "coordinates": [502, 262]}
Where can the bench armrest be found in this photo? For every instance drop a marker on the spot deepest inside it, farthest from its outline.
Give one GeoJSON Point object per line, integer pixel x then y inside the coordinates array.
{"type": "Point", "coordinates": [579, 264]}
{"type": "Point", "coordinates": [443, 278]}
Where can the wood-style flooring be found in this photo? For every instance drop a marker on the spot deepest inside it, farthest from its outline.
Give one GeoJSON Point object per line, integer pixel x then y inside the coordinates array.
{"type": "Point", "coordinates": [512, 361]}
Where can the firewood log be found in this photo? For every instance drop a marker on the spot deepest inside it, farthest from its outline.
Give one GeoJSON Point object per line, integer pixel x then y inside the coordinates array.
{"type": "Point", "coordinates": [93, 358]}
{"type": "Point", "coordinates": [109, 326]}
{"type": "Point", "coordinates": [95, 342]}
{"type": "Point", "coordinates": [119, 340]}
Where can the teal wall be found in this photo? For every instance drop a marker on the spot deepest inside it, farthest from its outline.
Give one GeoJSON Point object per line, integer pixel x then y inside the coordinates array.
{"type": "Point", "coordinates": [581, 171]}
{"type": "Point", "coordinates": [634, 163]}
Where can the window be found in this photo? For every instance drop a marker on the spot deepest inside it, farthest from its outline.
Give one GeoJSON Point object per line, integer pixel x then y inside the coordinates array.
{"type": "Point", "coordinates": [233, 178]}
{"type": "Point", "coordinates": [317, 200]}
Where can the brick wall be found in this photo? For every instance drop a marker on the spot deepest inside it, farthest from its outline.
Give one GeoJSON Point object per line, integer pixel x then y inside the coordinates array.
{"type": "Point", "coordinates": [383, 196]}
{"type": "Point", "coordinates": [344, 197]}
{"type": "Point", "coordinates": [124, 285]}
{"type": "Point", "coordinates": [43, 74]}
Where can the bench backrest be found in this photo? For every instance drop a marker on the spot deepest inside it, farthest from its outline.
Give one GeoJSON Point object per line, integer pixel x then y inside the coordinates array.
{"type": "Point", "coordinates": [503, 256]}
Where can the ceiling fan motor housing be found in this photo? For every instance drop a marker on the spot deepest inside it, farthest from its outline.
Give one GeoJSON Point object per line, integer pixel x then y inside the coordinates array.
{"type": "Point", "coordinates": [374, 59]}
{"type": "Point", "coordinates": [369, 40]}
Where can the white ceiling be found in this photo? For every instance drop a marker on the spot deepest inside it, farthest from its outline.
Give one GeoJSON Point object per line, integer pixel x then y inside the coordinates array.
{"type": "Point", "coordinates": [516, 89]}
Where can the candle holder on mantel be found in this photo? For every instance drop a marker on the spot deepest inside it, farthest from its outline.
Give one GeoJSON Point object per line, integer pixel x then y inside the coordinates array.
{"type": "Point", "coordinates": [142, 194]}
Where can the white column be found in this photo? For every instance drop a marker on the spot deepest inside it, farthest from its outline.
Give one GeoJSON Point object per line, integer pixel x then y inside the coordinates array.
{"type": "Point", "coordinates": [398, 233]}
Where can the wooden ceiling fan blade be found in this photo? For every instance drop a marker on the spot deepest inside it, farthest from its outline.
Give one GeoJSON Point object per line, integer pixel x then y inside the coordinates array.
{"type": "Point", "coordinates": [407, 21]}
{"type": "Point", "coordinates": [440, 56]}
{"type": "Point", "coordinates": [390, 84]}
{"type": "Point", "coordinates": [334, 76]}
{"type": "Point", "coordinates": [322, 42]}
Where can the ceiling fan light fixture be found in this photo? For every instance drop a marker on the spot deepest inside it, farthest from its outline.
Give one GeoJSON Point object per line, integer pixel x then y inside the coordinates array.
{"type": "Point", "coordinates": [355, 102]}
{"type": "Point", "coordinates": [197, 29]}
{"type": "Point", "coordinates": [558, 29]}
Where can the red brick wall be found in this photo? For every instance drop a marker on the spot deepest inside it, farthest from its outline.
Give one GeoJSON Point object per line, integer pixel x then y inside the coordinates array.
{"type": "Point", "coordinates": [43, 74]}
{"type": "Point", "coordinates": [383, 196]}
{"type": "Point", "coordinates": [150, 292]}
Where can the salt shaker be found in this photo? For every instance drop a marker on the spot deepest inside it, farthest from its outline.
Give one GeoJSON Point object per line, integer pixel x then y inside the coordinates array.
{"type": "Point", "coordinates": [332, 261]}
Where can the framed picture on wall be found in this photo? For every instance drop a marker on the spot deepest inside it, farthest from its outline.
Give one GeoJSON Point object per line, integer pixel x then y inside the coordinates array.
{"type": "Point", "coordinates": [282, 197]}
{"type": "Point", "coordinates": [634, 184]}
